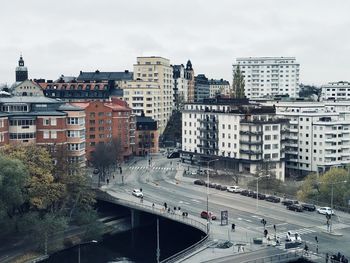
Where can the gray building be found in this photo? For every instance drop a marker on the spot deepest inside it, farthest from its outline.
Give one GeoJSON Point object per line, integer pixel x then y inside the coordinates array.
{"type": "Point", "coordinates": [201, 88]}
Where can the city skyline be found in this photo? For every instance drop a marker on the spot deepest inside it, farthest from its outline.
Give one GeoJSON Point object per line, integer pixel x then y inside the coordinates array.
{"type": "Point", "coordinates": [64, 38]}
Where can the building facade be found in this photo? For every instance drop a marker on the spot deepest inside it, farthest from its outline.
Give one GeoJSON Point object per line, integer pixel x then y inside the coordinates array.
{"type": "Point", "coordinates": [336, 91]}
{"type": "Point", "coordinates": [219, 87]}
{"type": "Point", "coordinates": [269, 76]}
{"type": "Point", "coordinates": [109, 122]}
{"type": "Point", "coordinates": [245, 137]}
{"type": "Point", "coordinates": [201, 89]}
{"type": "Point", "coordinates": [21, 71]}
{"type": "Point", "coordinates": [157, 71]}
{"type": "Point", "coordinates": [180, 85]}
{"type": "Point", "coordinates": [43, 121]}
{"type": "Point", "coordinates": [189, 75]}
{"type": "Point", "coordinates": [146, 136]}
{"type": "Point", "coordinates": [27, 88]}
{"type": "Point", "coordinates": [318, 135]}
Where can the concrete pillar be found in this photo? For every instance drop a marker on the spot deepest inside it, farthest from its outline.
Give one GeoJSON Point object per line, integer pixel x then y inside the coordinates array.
{"type": "Point", "coordinates": [135, 218]}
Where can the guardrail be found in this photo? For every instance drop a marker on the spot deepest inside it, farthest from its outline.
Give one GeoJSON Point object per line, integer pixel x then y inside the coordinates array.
{"type": "Point", "coordinates": [284, 257]}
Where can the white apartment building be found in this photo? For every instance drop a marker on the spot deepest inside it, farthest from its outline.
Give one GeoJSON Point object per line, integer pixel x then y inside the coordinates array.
{"type": "Point", "coordinates": [144, 96]}
{"type": "Point", "coordinates": [336, 91]}
{"type": "Point", "coordinates": [245, 137]}
{"type": "Point", "coordinates": [269, 76]}
{"type": "Point", "coordinates": [154, 77]}
{"type": "Point", "coordinates": [219, 87]}
{"type": "Point", "coordinates": [318, 135]}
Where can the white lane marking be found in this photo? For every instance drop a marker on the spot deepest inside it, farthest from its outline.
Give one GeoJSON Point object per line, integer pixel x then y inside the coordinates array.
{"type": "Point", "coordinates": [196, 201]}
{"type": "Point", "coordinates": [183, 202]}
{"type": "Point", "coordinates": [258, 217]}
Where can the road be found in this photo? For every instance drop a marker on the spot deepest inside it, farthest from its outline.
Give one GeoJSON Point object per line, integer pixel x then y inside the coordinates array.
{"type": "Point", "coordinates": [159, 185]}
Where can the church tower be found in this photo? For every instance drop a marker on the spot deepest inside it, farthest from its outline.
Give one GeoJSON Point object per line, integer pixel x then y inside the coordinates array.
{"type": "Point", "coordinates": [21, 71]}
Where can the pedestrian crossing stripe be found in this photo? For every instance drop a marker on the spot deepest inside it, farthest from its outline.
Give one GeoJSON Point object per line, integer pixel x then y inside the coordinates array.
{"type": "Point", "coordinates": [302, 231]}
{"type": "Point", "coordinates": [152, 167]}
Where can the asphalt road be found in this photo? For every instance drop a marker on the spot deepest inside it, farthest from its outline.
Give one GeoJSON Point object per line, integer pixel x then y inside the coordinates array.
{"type": "Point", "coordinates": [159, 185]}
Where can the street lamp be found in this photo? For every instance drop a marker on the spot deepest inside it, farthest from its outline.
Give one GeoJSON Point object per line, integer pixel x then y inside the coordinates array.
{"type": "Point", "coordinates": [208, 216]}
{"type": "Point", "coordinates": [257, 190]}
{"type": "Point", "coordinates": [85, 243]}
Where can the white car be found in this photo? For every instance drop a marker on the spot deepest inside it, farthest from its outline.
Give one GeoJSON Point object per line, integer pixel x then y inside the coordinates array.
{"type": "Point", "coordinates": [293, 236]}
{"type": "Point", "coordinates": [137, 193]}
{"type": "Point", "coordinates": [234, 189]}
{"type": "Point", "coordinates": [325, 211]}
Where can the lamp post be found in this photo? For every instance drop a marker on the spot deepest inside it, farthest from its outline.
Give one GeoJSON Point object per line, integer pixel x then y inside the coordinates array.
{"type": "Point", "coordinates": [85, 243]}
{"type": "Point", "coordinates": [208, 216]}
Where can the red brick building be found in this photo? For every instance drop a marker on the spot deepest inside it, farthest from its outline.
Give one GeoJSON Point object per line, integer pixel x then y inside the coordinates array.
{"type": "Point", "coordinates": [108, 122]}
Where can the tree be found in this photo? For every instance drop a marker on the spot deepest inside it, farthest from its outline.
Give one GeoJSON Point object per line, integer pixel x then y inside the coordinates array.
{"type": "Point", "coordinates": [320, 187]}
{"type": "Point", "coordinates": [238, 84]}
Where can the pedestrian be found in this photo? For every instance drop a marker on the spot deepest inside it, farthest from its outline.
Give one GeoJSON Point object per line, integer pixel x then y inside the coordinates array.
{"type": "Point", "coordinates": [107, 180]}
{"type": "Point", "coordinates": [169, 210]}
{"type": "Point", "coordinates": [140, 189]}
{"type": "Point", "coordinates": [239, 248]}
{"type": "Point", "coordinates": [179, 208]}
{"type": "Point", "coordinates": [165, 205]}
{"type": "Point", "coordinates": [141, 199]}
{"type": "Point", "coordinates": [243, 249]}
{"type": "Point", "coordinates": [153, 206]}
{"type": "Point", "coordinates": [113, 177]}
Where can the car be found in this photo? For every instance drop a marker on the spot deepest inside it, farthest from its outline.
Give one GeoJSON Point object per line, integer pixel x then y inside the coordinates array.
{"type": "Point", "coordinates": [273, 199]}
{"type": "Point", "coordinates": [251, 193]}
{"type": "Point", "coordinates": [289, 202]}
{"type": "Point", "coordinates": [295, 207]}
{"type": "Point", "coordinates": [293, 236]}
{"type": "Point", "coordinates": [309, 207]}
{"type": "Point", "coordinates": [204, 214]}
{"type": "Point", "coordinates": [244, 192]}
{"type": "Point", "coordinates": [173, 155]}
{"type": "Point", "coordinates": [218, 186]}
{"type": "Point", "coordinates": [223, 188]}
{"type": "Point", "coordinates": [137, 193]}
{"type": "Point", "coordinates": [212, 185]}
{"type": "Point", "coordinates": [234, 189]}
{"type": "Point", "coordinates": [325, 211]}
{"type": "Point", "coordinates": [199, 182]}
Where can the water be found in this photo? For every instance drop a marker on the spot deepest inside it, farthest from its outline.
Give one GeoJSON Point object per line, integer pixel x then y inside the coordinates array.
{"type": "Point", "coordinates": [134, 246]}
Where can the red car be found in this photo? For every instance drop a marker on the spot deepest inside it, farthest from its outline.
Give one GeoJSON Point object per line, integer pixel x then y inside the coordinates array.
{"type": "Point", "coordinates": [204, 214]}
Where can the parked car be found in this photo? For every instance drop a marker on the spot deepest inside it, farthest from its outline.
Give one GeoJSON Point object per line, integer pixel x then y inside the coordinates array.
{"type": "Point", "coordinates": [218, 186]}
{"type": "Point", "coordinates": [244, 192]}
{"type": "Point", "coordinates": [295, 207]}
{"type": "Point", "coordinates": [212, 185]}
{"type": "Point", "coordinates": [234, 189]}
{"type": "Point", "coordinates": [204, 214]}
{"type": "Point", "coordinates": [137, 193]}
{"type": "Point", "coordinates": [251, 193]}
{"type": "Point", "coordinates": [289, 202]}
{"type": "Point", "coordinates": [325, 211]}
{"type": "Point", "coordinates": [199, 182]}
{"type": "Point", "coordinates": [223, 188]}
{"type": "Point", "coordinates": [309, 207]}
{"type": "Point", "coordinates": [273, 199]}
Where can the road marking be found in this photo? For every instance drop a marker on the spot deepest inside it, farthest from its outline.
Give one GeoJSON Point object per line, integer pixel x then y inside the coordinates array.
{"type": "Point", "coordinates": [195, 200]}
{"type": "Point", "coordinates": [302, 231]}
{"type": "Point", "coordinates": [183, 202]}
{"type": "Point", "coordinates": [258, 217]}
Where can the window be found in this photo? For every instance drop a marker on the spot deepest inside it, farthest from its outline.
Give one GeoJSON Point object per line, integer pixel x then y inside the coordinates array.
{"type": "Point", "coordinates": [267, 156]}
{"type": "Point", "coordinates": [53, 122]}
{"type": "Point", "coordinates": [72, 121]}
{"type": "Point", "coordinates": [267, 146]}
{"type": "Point", "coordinates": [267, 128]}
{"type": "Point", "coordinates": [46, 122]}
{"type": "Point", "coordinates": [275, 155]}
{"type": "Point", "coordinates": [53, 134]}
{"type": "Point", "coordinates": [275, 127]}
{"type": "Point", "coordinates": [275, 146]}
{"type": "Point", "coordinates": [46, 135]}
{"type": "Point", "coordinates": [267, 137]}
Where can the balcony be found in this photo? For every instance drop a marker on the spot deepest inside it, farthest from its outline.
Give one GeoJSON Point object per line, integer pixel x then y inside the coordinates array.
{"type": "Point", "coordinates": [250, 142]}
{"type": "Point", "coordinates": [250, 132]}
{"type": "Point", "coordinates": [250, 152]}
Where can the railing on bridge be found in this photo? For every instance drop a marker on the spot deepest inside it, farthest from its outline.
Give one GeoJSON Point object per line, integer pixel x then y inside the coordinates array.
{"type": "Point", "coordinates": [162, 212]}
{"type": "Point", "coordinates": [284, 257]}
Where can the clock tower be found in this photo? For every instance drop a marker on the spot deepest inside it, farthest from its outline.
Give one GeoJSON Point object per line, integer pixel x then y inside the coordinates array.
{"type": "Point", "coordinates": [21, 71]}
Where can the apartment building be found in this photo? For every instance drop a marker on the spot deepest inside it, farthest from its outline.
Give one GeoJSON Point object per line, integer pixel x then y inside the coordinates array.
{"type": "Point", "coordinates": [155, 71]}
{"type": "Point", "coordinates": [109, 122]}
{"type": "Point", "coordinates": [336, 91]}
{"type": "Point", "coordinates": [269, 76]}
{"type": "Point", "coordinates": [201, 88]}
{"type": "Point", "coordinates": [219, 87]}
{"type": "Point", "coordinates": [245, 137]}
{"type": "Point", "coordinates": [146, 136]}
{"type": "Point", "coordinates": [180, 85]}
{"type": "Point", "coordinates": [318, 135]}
{"type": "Point", "coordinates": [45, 122]}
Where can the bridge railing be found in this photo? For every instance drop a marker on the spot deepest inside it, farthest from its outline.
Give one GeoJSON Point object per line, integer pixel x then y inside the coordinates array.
{"type": "Point", "coordinates": [284, 257]}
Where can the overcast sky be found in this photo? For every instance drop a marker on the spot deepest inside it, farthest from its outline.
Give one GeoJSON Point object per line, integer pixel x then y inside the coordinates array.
{"type": "Point", "coordinates": [64, 37]}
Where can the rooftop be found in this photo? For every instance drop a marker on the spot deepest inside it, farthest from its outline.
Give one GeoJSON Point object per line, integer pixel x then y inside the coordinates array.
{"type": "Point", "coordinates": [100, 75]}
{"type": "Point", "coordinates": [27, 99]}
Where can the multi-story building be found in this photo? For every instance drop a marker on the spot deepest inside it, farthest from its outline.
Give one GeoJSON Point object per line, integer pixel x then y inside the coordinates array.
{"type": "Point", "coordinates": [201, 89]}
{"type": "Point", "coordinates": [144, 97]}
{"type": "Point", "coordinates": [180, 85]}
{"type": "Point", "coordinates": [109, 122]}
{"type": "Point", "coordinates": [45, 122]}
{"type": "Point", "coordinates": [318, 135]}
{"type": "Point", "coordinates": [269, 76]}
{"type": "Point", "coordinates": [245, 137]}
{"type": "Point", "coordinates": [146, 136]}
{"type": "Point", "coordinates": [336, 91]}
{"type": "Point", "coordinates": [158, 71]}
{"type": "Point", "coordinates": [219, 87]}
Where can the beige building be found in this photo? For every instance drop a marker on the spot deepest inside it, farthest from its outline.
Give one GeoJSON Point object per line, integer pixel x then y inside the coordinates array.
{"type": "Point", "coordinates": [27, 88]}
{"type": "Point", "coordinates": [151, 90]}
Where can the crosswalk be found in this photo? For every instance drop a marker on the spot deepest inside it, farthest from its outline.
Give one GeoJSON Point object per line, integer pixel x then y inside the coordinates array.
{"type": "Point", "coordinates": [301, 232]}
{"type": "Point", "coordinates": [151, 167]}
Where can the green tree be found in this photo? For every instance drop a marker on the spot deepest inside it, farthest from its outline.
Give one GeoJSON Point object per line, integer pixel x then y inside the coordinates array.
{"type": "Point", "coordinates": [238, 84]}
